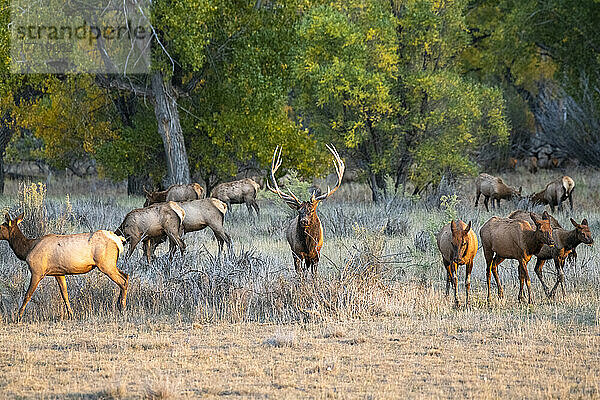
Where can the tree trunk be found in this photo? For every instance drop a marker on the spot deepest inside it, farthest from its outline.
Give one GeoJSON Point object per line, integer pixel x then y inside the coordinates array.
{"type": "Point", "coordinates": [5, 134]}
{"type": "Point", "coordinates": [377, 185]}
{"type": "Point", "coordinates": [169, 128]}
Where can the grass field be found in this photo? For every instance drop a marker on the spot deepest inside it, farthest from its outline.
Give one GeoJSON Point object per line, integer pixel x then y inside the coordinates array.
{"type": "Point", "coordinates": [375, 324]}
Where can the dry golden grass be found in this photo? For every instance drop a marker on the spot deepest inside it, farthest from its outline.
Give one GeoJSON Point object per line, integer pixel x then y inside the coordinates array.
{"type": "Point", "coordinates": [510, 352]}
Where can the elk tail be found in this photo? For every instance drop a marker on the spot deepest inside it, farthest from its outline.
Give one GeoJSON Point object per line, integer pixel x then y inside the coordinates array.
{"type": "Point", "coordinates": [179, 211]}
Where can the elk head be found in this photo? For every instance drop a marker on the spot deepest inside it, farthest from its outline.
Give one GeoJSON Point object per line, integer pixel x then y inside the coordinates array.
{"type": "Point", "coordinates": [8, 228]}
{"type": "Point", "coordinates": [543, 228]}
{"type": "Point", "coordinates": [584, 235]}
{"type": "Point", "coordinates": [460, 240]}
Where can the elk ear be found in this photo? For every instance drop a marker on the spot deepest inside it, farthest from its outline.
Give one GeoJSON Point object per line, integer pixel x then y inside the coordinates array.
{"type": "Point", "coordinates": [546, 216]}
{"type": "Point", "coordinates": [520, 190]}
{"type": "Point", "coordinates": [584, 222]}
{"type": "Point", "coordinates": [292, 205]}
{"type": "Point", "coordinates": [468, 228]}
{"type": "Point", "coordinates": [453, 226]}
{"type": "Point", "coordinates": [534, 218]}
{"type": "Point", "coordinates": [19, 219]}
{"type": "Point", "coordinates": [7, 218]}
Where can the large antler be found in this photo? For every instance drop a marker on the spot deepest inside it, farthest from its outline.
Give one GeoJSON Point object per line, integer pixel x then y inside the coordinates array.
{"type": "Point", "coordinates": [339, 169]}
{"type": "Point", "coordinates": [275, 164]}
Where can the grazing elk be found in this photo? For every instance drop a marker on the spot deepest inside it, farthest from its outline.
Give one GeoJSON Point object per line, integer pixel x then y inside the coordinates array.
{"type": "Point", "coordinates": [565, 244]}
{"type": "Point", "coordinates": [60, 255]}
{"type": "Point", "coordinates": [555, 193]}
{"type": "Point", "coordinates": [514, 239]}
{"type": "Point", "coordinates": [154, 221]}
{"type": "Point", "coordinates": [198, 215]}
{"type": "Point", "coordinates": [305, 231]}
{"type": "Point", "coordinates": [243, 191]}
{"type": "Point", "coordinates": [494, 188]}
{"type": "Point", "coordinates": [192, 191]}
{"type": "Point", "coordinates": [458, 244]}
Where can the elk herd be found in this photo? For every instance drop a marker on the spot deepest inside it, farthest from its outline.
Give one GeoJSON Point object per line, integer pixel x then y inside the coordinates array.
{"type": "Point", "coordinates": [169, 214]}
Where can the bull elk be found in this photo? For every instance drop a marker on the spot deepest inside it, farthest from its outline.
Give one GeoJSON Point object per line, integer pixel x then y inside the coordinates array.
{"type": "Point", "coordinates": [60, 255]}
{"type": "Point", "coordinates": [192, 191]}
{"type": "Point", "coordinates": [493, 188]}
{"type": "Point", "coordinates": [505, 238]}
{"type": "Point", "coordinates": [305, 232]}
{"type": "Point", "coordinates": [458, 245]}
{"type": "Point", "coordinates": [555, 193]}
{"type": "Point", "coordinates": [243, 191]}
{"type": "Point", "coordinates": [565, 244]}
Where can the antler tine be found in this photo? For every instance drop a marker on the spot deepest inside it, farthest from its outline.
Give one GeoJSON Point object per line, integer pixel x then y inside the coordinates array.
{"type": "Point", "coordinates": [340, 167]}
{"type": "Point", "coordinates": [275, 164]}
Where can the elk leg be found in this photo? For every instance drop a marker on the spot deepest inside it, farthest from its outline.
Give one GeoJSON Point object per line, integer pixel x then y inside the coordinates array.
{"type": "Point", "coordinates": [62, 285]}
{"type": "Point", "coordinates": [146, 249]}
{"type": "Point", "coordinates": [485, 202]}
{"type": "Point", "coordinates": [119, 277]}
{"type": "Point", "coordinates": [177, 240]}
{"type": "Point", "coordinates": [497, 260]}
{"type": "Point", "coordinates": [527, 281]}
{"type": "Point", "coordinates": [452, 270]}
{"type": "Point", "coordinates": [297, 263]}
{"type": "Point", "coordinates": [447, 266]}
{"type": "Point", "coordinates": [560, 277]}
{"type": "Point", "coordinates": [538, 271]}
{"type": "Point", "coordinates": [257, 209]}
{"type": "Point", "coordinates": [521, 282]}
{"type": "Point", "coordinates": [249, 207]}
{"type": "Point", "coordinates": [477, 196]}
{"type": "Point", "coordinates": [497, 203]}
{"type": "Point", "coordinates": [33, 283]}
{"type": "Point", "coordinates": [489, 259]}
{"type": "Point", "coordinates": [468, 280]}
{"type": "Point", "coordinates": [571, 200]}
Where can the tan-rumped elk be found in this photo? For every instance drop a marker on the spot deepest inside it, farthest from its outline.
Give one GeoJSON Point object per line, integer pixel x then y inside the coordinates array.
{"type": "Point", "coordinates": [60, 255]}
{"type": "Point", "coordinates": [555, 193]}
{"type": "Point", "coordinates": [161, 219]}
{"type": "Point", "coordinates": [305, 232]}
{"type": "Point", "coordinates": [493, 188]}
{"type": "Point", "coordinates": [192, 191]}
{"type": "Point", "coordinates": [458, 244]}
{"type": "Point", "coordinates": [565, 243]}
{"type": "Point", "coordinates": [243, 191]}
{"type": "Point", "coordinates": [199, 214]}
{"type": "Point", "coordinates": [505, 238]}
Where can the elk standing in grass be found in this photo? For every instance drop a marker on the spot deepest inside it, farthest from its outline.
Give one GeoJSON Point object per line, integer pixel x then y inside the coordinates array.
{"type": "Point", "coordinates": [555, 193]}
{"type": "Point", "coordinates": [198, 215]}
{"type": "Point", "coordinates": [494, 188]}
{"type": "Point", "coordinates": [565, 244]}
{"type": "Point", "coordinates": [505, 238]}
{"type": "Point", "coordinates": [305, 231]}
{"type": "Point", "coordinates": [154, 221]}
{"type": "Point", "coordinates": [60, 255]}
{"type": "Point", "coordinates": [192, 191]}
{"type": "Point", "coordinates": [243, 191]}
{"type": "Point", "coordinates": [458, 244]}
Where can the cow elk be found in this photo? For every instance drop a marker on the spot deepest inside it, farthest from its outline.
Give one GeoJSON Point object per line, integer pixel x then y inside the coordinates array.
{"type": "Point", "coordinates": [458, 244]}
{"type": "Point", "coordinates": [555, 193]}
{"type": "Point", "coordinates": [198, 215]}
{"type": "Point", "coordinates": [157, 220]}
{"type": "Point", "coordinates": [305, 232]}
{"type": "Point", "coordinates": [60, 255]}
{"type": "Point", "coordinates": [494, 188]}
{"type": "Point", "coordinates": [565, 244]}
{"type": "Point", "coordinates": [243, 191]}
{"type": "Point", "coordinates": [192, 191]}
{"type": "Point", "coordinates": [505, 238]}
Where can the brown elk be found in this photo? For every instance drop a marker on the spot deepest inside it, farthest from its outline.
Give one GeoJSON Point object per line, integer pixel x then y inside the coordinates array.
{"type": "Point", "coordinates": [555, 193]}
{"type": "Point", "coordinates": [143, 224]}
{"type": "Point", "coordinates": [458, 244]}
{"type": "Point", "coordinates": [198, 215]}
{"type": "Point", "coordinates": [192, 191]}
{"type": "Point", "coordinates": [505, 238]}
{"type": "Point", "coordinates": [494, 188]}
{"type": "Point", "coordinates": [60, 255]}
{"type": "Point", "coordinates": [243, 191]}
{"type": "Point", "coordinates": [565, 244]}
{"type": "Point", "coordinates": [305, 232]}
